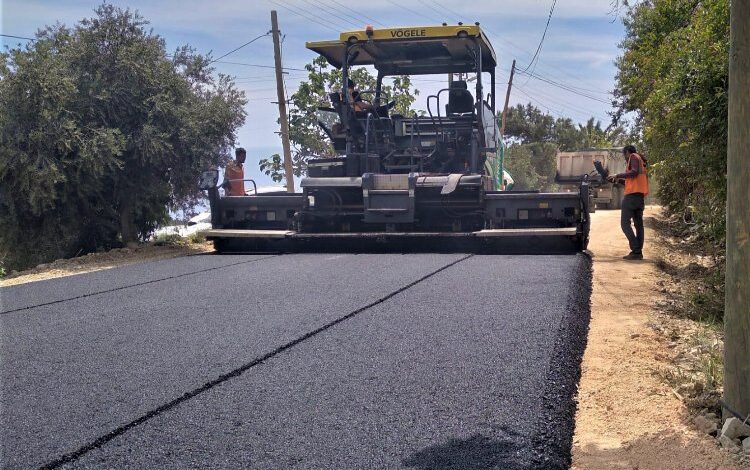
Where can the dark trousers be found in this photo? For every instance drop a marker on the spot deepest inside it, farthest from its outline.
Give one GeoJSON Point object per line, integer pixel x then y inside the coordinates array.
{"type": "Point", "coordinates": [632, 209]}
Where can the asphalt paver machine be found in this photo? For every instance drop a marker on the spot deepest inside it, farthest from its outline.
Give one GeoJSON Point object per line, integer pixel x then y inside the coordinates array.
{"type": "Point", "coordinates": [434, 181]}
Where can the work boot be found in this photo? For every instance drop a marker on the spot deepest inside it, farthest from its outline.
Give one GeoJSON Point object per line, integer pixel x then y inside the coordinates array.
{"type": "Point", "coordinates": [633, 255]}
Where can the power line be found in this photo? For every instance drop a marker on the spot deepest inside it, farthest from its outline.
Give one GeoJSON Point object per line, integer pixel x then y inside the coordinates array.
{"type": "Point", "coordinates": [330, 11]}
{"type": "Point", "coordinates": [431, 7]}
{"type": "Point", "coordinates": [345, 7]}
{"type": "Point", "coordinates": [258, 65]}
{"type": "Point", "coordinates": [307, 15]}
{"type": "Point", "coordinates": [414, 11]}
{"type": "Point", "coordinates": [567, 105]}
{"type": "Point", "coordinates": [238, 48]}
{"type": "Point", "coordinates": [511, 44]}
{"type": "Point", "coordinates": [445, 9]}
{"type": "Point", "coordinates": [544, 35]}
{"type": "Point", "coordinates": [587, 90]}
{"type": "Point", "coordinates": [568, 88]}
{"type": "Point", "coordinates": [267, 79]}
{"type": "Point", "coordinates": [557, 112]}
{"type": "Point", "coordinates": [17, 37]}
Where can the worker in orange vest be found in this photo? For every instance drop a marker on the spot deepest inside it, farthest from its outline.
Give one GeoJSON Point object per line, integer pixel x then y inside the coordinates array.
{"type": "Point", "coordinates": [636, 190]}
{"type": "Point", "coordinates": [234, 174]}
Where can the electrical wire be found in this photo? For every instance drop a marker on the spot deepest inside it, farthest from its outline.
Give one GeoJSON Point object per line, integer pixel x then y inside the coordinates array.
{"type": "Point", "coordinates": [567, 88]}
{"type": "Point", "coordinates": [267, 79]}
{"type": "Point", "coordinates": [367, 18]}
{"type": "Point", "coordinates": [258, 65]}
{"type": "Point", "coordinates": [431, 7]}
{"type": "Point", "coordinates": [283, 82]}
{"type": "Point", "coordinates": [446, 10]}
{"type": "Point", "coordinates": [331, 11]}
{"type": "Point", "coordinates": [544, 35]}
{"type": "Point", "coordinates": [566, 106]}
{"type": "Point", "coordinates": [307, 15]}
{"type": "Point", "coordinates": [511, 44]}
{"type": "Point", "coordinates": [587, 90]}
{"type": "Point", "coordinates": [414, 11]}
{"type": "Point", "coordinates": [238, 48]}
{"type": "Point", "coordinates": [556, 112]}
{"type": "Point", "coordinates": [17, 37]}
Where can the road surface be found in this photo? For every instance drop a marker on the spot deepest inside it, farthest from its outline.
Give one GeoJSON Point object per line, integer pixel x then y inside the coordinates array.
{"type": "Point", "coordinates": [305, 361]}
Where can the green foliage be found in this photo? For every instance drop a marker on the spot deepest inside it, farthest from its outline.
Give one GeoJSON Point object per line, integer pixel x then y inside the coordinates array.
{"type": "Point", "coordinates": [532, 165]}
{"type": "Point", "coordinates": [674, 75]}
{"type": "Point", "coordinates": [537, 137]}
{"type": "Point", "coordinates": [197, 238]}
{"type": "Point", "coordinates": [170, 239]}
{"type": "Point", "coordinates": [307, 138]}
{"type": "Point", "coordinates": [528, 124]}
{"type": "Point", "coordinates": [101, 133]}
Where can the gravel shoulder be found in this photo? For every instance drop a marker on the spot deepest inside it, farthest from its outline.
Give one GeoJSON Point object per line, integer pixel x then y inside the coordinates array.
{"type": "Point", "coordinates": [104, 260]}
{"type": "Point", "coordinates": [628, 416]}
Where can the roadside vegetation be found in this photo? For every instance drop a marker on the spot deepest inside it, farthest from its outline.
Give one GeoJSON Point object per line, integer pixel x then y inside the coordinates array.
{"type": "Point", "coordinates": [673, 78]}
{"type": "Point", "coordinates": [174, 239]}
{"type": "Point", "coordinates": [536, 137]}
{"type": "Point", "coordinates": [692, 305]}
{"type": "Point", "coordinates": [102, 133]}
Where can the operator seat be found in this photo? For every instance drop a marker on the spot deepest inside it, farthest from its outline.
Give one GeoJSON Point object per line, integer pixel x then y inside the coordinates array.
{"type": "Point", "coordinates": [460, 100]}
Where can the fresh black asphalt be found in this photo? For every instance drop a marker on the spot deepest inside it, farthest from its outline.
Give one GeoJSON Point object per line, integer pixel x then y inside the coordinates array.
{"type": "Point", "coordinates": [307, 361]}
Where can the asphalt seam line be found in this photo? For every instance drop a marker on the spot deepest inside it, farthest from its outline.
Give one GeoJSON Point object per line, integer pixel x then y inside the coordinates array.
{"type": "Point", "coordinates": [75, 455]}
{"type": "Point", "coordinates": [138, 284]}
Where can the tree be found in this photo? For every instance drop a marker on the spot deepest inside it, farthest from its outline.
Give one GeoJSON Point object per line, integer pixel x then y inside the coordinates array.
{"type": "Point", "coordinates": [673, 75]}
{"type": "Point", "coordinates": [532, 166]}
{"type": "Point", "coordinates": [538, 136]}
{"type": "Point", "coordinates": [307, 138]}
{"type": "Point", "coordinates": [101, 131]}
{"type": "Point", "coordinates": [529, 124]}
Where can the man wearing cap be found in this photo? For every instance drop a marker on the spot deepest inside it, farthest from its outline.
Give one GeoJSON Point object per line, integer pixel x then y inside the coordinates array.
{"type": "Point", "coordinates": [633, 204]}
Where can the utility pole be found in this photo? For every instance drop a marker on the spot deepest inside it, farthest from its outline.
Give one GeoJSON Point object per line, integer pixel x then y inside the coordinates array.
{"type": "Point", "coordinates": [507, 98]}
{"type": "Point", "coordinates": [288, 172]}
{"type": "Point", "coordinates": [737, 301]}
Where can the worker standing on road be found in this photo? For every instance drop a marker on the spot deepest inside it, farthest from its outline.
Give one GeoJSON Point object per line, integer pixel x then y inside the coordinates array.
{"type": "Point", "coordinates": [633, 204]}
{"type": "Point", "coordinates": [234, 174]}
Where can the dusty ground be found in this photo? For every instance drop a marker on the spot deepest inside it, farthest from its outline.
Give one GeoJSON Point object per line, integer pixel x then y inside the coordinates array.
{"type": "Point", "coordinates": [105, 260]}
{"type": "Point", "coordinates": [628, 416]}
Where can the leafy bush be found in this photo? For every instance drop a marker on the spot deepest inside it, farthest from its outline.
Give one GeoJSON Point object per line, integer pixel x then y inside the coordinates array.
{"type": "Point", "coordinates": [196, 238]}
{"type": "Point", "coordinates": [170, 239]}
{"type": "Point", "coordinates": [101, 132]}
{"type": "Point", "coordinates": [674, 75]}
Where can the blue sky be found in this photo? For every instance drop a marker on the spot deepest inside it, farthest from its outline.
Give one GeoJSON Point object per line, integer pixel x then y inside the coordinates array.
{"type": "Point", "coordinates": [579, 49]}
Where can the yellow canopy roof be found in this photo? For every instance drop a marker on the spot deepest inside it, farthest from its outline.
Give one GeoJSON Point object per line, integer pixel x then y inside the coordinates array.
{"type": "Point", "coordinates": [413, 50]}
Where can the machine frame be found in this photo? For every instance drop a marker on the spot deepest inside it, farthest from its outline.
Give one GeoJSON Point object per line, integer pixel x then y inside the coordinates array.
{"type": "Point", "coordinates": [433, 181]}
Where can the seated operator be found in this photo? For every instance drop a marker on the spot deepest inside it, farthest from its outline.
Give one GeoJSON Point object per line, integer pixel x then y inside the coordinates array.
{"type": "Point", "coordinates": [355, 99]}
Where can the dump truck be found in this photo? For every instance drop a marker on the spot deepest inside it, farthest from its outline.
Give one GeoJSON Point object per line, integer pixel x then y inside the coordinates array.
{"type": "Point", "coordinates": [573, 167]}
{"type": "Point", "coordinates": [432, 182]}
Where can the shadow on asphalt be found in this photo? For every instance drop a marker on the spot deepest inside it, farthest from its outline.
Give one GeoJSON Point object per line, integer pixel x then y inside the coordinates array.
{"type": "Point", "coordinates": [475, 452]}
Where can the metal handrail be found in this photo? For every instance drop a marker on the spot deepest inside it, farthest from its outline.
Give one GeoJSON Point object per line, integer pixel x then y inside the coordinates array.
{"type": "Point", "coordinates": [255, 186]}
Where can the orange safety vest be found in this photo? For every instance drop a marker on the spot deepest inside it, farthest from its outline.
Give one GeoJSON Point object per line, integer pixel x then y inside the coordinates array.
{"type": "Point", "coordinates": [235, 174]}
{"type": "Point", "coordinates": [639, 184]}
